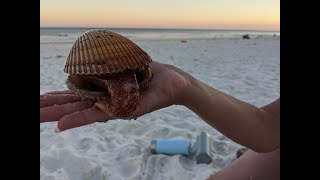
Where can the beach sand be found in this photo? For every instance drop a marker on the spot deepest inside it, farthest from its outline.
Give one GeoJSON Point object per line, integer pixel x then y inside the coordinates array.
{"type": "Point", "coordinates": [246, 69]}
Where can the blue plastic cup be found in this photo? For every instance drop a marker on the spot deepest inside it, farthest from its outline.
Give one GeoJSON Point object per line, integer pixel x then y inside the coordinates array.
{"type": "Point", "coordinates": [170, 147]}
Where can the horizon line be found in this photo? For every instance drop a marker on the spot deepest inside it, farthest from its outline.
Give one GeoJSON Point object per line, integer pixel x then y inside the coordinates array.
{"type": "Point", "coordinates": [155, 28]}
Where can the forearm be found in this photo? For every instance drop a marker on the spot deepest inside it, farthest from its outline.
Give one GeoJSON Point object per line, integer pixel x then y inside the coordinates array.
{"type": "Point", "coordinates": [245, 124]}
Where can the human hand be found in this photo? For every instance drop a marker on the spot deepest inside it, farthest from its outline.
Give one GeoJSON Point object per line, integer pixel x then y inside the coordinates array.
{"type": "Point", "coordinates": [165, 89]}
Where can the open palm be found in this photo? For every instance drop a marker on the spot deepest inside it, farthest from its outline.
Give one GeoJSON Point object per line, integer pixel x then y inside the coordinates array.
{"type": "Point", "coordinates": [164, 90]}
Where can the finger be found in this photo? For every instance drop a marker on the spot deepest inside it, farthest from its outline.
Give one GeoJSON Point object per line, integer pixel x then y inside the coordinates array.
{"type": "Point", "coordinates": [54, 113]}
{"type": "Point", "coordinates": [82, 118]}
{"type": "Point", "coordinates": [156, 67]}
{"type": "Point", "coordinates": [58, 99]}
{"type": "Point", "coordinates": [60, 92]}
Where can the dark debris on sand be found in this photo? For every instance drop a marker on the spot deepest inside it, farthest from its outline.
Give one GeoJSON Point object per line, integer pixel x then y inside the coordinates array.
{"type": "Point", "coordinates": [241, 151]}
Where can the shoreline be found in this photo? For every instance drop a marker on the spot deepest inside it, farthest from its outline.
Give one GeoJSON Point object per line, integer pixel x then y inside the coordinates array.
{"type": "Point", "coordinates": [179, 39]}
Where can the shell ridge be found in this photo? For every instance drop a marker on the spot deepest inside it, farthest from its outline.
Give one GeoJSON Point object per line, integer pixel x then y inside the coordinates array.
{"type": "Point", "coordinates": [112, 51]}
{"type": "Point", "coordinates": [72, 67]}
{"type": "Point", "coordinates": [126, 57]}
{"type": "Point", "coordinates": [145, 56]}
{"type": "Point", "coordinates": [87, 55]}
{"type": "Point", "coordinates": [109, 67]}
{"type": "Point", "coordinates": [82, 56]}
{"type": "Point", "coordinates": [137, 53]}
{"type": "Point", "coordinates": [116, 49]}
{"type": "Point", "coordinates": [67, 66]}
{"type": "Point", "coordinates": [77, 64]}
{"type": "Point", "coordinates": [112, 69]}
{"type": "Point", "coordinates": [98, 55]}
{"type": "Point", "coordinates": [134, 52]}
{"type": "Point", "coordinates": [92, 62]}
{"type": "Point", "coordinates": [101, 51]}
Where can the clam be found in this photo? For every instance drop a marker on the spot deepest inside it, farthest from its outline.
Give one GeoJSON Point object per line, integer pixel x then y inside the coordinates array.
{"type": "Point", "coordinates": [109, 69]}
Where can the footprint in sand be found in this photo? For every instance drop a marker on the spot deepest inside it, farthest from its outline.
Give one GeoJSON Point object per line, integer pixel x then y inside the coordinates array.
{"type": "Point", "coordinates": [129, 151]}
{"type": "Point", "coordinates": [128, 169]}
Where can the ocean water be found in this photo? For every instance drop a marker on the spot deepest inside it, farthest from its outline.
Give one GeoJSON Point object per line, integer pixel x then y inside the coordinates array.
{"type": "Point", "coordinates": [56, 35]}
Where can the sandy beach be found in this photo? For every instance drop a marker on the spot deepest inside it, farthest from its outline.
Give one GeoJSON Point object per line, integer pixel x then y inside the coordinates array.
{"type": "Point", "coordinates": [248, 69]}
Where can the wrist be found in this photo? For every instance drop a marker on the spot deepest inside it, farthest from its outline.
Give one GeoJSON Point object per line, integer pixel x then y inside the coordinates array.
{"type": "Point", "coordinates": [185, 87]}
{"type": "Point", "coordinates": [188, 94]}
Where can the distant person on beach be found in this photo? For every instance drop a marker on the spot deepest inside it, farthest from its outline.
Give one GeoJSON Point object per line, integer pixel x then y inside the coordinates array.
{"type": "Point", "coordinates": [255, 128]}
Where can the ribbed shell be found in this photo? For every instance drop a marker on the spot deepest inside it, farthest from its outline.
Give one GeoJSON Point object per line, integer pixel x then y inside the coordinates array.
{"type": "Point", "coordinates": [104, 52]}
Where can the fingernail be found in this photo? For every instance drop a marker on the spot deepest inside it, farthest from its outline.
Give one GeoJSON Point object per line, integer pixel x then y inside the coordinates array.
{"type": "Point", "coordinates": [56, 130]}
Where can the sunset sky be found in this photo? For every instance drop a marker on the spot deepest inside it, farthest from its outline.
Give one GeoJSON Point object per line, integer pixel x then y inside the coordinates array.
{"type": "Point", "coordinates": [193, 14]}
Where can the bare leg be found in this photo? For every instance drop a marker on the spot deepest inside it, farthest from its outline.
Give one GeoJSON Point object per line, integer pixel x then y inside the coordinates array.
{"type": "Point", "coordinates": [252, 166]}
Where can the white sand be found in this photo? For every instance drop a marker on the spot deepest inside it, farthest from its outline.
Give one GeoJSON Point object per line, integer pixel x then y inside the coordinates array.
{"type": "Point", "coordinates": [246, 69]}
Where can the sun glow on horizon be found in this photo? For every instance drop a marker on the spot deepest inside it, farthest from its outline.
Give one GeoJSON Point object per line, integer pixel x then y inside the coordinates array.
{"type": "Point", "coordinates": [205, 14]}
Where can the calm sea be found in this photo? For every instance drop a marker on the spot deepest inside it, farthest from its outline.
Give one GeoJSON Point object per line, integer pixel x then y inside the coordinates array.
{"type": "Point", "coordinates": [51, 35]}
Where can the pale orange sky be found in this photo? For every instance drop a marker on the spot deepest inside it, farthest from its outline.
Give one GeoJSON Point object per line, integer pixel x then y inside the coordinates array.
{"type": "Point", "coordinates": [207, 14]}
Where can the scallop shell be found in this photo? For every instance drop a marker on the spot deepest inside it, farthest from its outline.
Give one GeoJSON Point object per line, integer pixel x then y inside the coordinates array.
{"type": "Point", "coordinates": [104, 52]}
